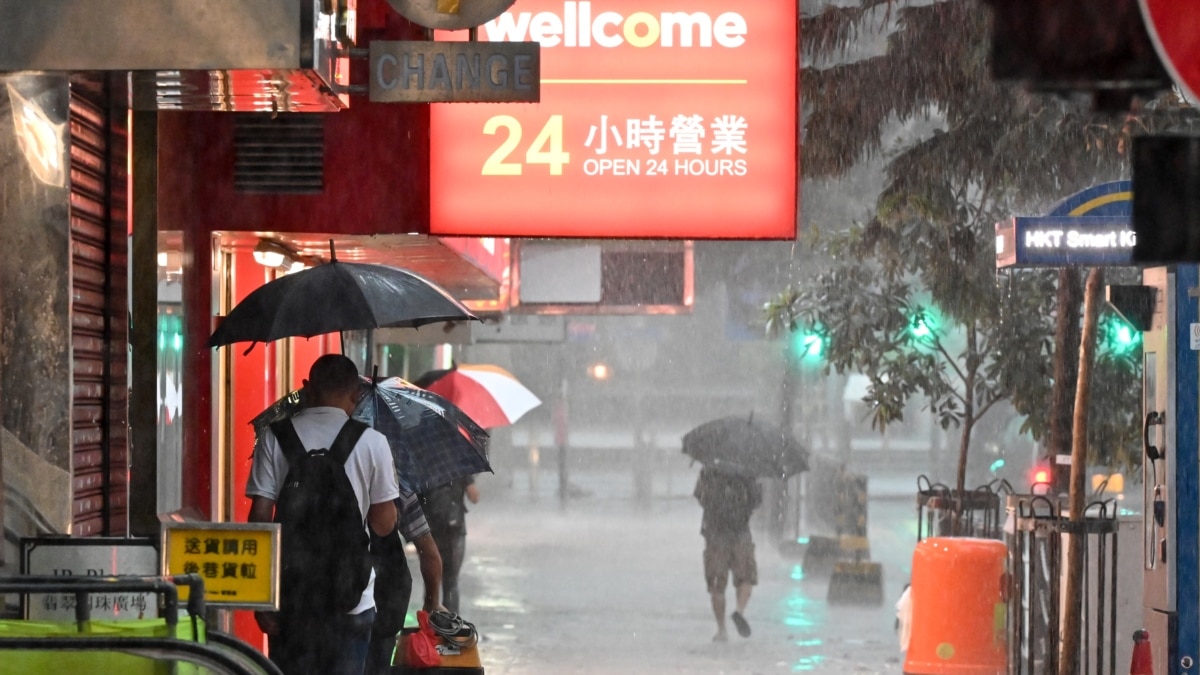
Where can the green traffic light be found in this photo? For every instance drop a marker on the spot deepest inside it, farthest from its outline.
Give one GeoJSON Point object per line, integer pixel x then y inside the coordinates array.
{"type": "Point", "coordinates": [808, 344]}
{"type": "Point", "coordinates": [812, 345]}
{"type": "Point", "coordinates": [1119, 337]}
{"type": "Point", "coordinates": [922, 325]}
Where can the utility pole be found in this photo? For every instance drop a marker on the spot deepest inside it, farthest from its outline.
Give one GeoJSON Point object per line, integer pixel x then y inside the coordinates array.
{"type": "Point", "coordinates": [562, 439]}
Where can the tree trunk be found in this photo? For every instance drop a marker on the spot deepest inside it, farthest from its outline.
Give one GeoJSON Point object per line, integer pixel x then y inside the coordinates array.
{"type": "Point", "coordinates": [964, 444]}
{"type": "Point", "coordinates": [1068, 660]}
{"type": "Point", "coordinates": [1066, 366]}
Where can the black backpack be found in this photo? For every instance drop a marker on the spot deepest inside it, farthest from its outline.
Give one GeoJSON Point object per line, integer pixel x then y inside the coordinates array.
{"type": "Point", "coordinates": [444, 509]}
{"type": "Point", "coordinates": [730, 500]}
{"type": "Point", "coordinates": [325, 563]}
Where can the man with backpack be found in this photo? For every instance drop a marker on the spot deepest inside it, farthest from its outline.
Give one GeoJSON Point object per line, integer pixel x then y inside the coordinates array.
{"type": "Point", "coordinates": [326, 479]}
{"type": "Point", "coordinates": [728, 501]}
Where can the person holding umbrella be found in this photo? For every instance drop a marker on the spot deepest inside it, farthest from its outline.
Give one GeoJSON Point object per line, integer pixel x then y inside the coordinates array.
{"type": "Point", "coordinates": [296, 480]}
{"type": "Point", "coordinates": [492, 397]}
{"type": "Point", "coordinates": [735, 452]}
{"type": "Point", "coordinates": [445, 510]}
{"type": "Point", "coordinates": [728, 500]}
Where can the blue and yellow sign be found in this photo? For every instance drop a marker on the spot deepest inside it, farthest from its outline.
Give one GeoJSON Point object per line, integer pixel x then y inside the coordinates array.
{"type": "Point", "coordinates": [1092, 227]}
{"type": "Point", "coordinates": [239, 562]}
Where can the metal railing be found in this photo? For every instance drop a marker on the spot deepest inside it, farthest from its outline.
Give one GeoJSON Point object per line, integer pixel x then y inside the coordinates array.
{"type": "Point", "coordinates": [213, 650]}
{"type": "Point", "coordinates": [943, 512]}
{"type": "Point", "coordinates": [1041, 535]}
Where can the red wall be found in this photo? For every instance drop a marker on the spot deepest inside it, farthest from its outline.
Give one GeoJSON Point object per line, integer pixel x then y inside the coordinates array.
{"type": "Point", "coordinates": [376, 168]}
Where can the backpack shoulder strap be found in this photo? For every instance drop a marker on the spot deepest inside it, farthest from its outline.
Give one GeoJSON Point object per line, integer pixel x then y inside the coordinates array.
{"type": "Point", "coordinates": [346, 439]}
{"type": "Point", "coordinates": [289, 442]}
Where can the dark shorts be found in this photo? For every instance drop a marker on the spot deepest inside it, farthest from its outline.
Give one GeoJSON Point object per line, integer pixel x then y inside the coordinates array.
{"type": "Point", "coordinates": [729, 554]}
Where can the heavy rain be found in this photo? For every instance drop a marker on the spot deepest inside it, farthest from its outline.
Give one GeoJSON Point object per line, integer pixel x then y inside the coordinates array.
{"type": "Point", "coordinates": [835, 336]}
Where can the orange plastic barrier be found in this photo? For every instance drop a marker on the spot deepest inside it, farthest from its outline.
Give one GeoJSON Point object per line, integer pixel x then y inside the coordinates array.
{"type": "Point", "coordinates": [959, 615]}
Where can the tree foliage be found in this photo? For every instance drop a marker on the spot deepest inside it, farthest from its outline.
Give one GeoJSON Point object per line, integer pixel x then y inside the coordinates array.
{"type": "Point", "coordinates": [928, 244]}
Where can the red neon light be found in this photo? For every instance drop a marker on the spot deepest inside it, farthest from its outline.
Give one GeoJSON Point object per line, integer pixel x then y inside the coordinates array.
{"type": "Point", "coordinates": [658, 118]}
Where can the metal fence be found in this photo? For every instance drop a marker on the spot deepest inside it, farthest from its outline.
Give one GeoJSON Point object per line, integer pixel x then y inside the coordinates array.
{"type": "Point", "coordinates": [943, 512]}
{"type": "Point", "coordinates": [1039, 539]}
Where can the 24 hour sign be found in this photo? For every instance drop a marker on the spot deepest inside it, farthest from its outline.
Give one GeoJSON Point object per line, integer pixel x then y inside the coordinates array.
{"type": "Point", "coordinates": [658, 118]}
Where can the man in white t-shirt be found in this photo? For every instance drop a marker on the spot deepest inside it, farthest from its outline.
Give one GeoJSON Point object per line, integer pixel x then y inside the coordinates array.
{"type": "Point", "coordinates": [337, 645]}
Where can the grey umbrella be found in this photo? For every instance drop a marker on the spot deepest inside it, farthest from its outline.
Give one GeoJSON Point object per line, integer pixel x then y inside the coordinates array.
{"type": "Point", "coordinates": [334, 297]}
{"type": "Point", "coordinates": [743, 446]}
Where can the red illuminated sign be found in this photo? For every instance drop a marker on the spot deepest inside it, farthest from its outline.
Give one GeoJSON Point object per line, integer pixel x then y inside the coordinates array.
{"type": "Point", "coordinates": [1172, 26]}
{"type": "Point", "coordinates": [658, 118]}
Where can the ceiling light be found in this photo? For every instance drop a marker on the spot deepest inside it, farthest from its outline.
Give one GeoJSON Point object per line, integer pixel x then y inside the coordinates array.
{"type": "Point", "coordinates": [172, 260]}
{"type": "Point", "coordinates": [270, 253]}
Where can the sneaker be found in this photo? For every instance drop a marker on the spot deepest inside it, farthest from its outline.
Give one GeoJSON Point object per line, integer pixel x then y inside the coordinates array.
{"type": "Point", "coordinates": [739, 621]}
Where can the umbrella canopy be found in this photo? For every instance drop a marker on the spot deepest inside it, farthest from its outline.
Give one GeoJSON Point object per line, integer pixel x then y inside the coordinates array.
{"type": "Point", "coordinates": [743, 446]}
{"type": "Point", "coordinates": [491, 395]}
{"type": "Point", "coordinates": [334, 297]}
{"type": "Point", "coordinates": [432, 441]}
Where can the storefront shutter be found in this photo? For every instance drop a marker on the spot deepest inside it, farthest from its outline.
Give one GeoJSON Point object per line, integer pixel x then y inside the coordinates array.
{"type": "Point", "coordinates": [99, 313]}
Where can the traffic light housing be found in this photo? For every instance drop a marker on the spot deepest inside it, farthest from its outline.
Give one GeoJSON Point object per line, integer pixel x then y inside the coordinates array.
{"type": "Point", "coordinates": [1077, 45]}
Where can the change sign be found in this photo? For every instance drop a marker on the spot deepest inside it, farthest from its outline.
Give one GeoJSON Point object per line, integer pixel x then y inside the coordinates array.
{"type": "Point", "coordinates": [658, 118]}
{"type": "Point", "coordinates": [428, 72]}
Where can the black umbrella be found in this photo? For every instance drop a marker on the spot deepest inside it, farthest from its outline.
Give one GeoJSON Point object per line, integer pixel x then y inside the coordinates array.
{"type": "Point", "coordinates": [432, 441]}
{"type": "Point", "coordinates": [335, 297]}
{"type": "Point", "coordinates": [743, 446]}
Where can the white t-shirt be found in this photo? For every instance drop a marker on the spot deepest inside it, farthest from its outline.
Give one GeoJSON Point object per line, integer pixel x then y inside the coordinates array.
{"type": "Point", "coordinates": [369, 467]}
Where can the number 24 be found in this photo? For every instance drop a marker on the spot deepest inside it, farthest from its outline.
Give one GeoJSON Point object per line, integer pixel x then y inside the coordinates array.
{"type": "Point", "coordinates": [547, 147]}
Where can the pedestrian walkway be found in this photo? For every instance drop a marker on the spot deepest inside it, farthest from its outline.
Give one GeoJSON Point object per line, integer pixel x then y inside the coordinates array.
{"type": "Point", "coordinates": [604, 586]}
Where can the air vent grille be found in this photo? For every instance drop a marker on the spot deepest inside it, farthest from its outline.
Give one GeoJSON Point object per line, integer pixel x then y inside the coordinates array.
{"type": "Point", "coordinates": [280, 154]}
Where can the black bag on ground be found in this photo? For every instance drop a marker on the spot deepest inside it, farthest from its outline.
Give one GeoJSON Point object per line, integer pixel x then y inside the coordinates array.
{"type": "Point", "coordinates": [325, 563]}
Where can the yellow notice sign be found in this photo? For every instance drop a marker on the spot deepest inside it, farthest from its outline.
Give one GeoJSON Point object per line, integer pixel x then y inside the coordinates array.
{"type": "Point", "coordinates": [239, 562]}
{"type": "Point", "coordinates": [447, 6]}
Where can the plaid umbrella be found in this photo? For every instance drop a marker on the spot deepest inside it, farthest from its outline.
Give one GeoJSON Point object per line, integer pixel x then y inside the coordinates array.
{"type": "Point", "coordinates": [433, 442]}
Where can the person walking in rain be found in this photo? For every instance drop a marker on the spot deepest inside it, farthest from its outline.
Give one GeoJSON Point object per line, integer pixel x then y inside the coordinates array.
{"type": "Point", "coordinates": [728, 501]}
{"type": "Point", "coordinates": [328, 480]}
{"type": "Point", "coordinates": [446, 510]}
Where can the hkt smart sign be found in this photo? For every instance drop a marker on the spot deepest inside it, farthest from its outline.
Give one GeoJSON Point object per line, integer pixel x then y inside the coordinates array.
{"type": "Point", "coordinates": [658, 118]}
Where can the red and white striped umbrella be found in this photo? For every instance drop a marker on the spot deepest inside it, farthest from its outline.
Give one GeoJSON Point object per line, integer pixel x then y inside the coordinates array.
{"type": "Point", "coordinates": [489, 395]}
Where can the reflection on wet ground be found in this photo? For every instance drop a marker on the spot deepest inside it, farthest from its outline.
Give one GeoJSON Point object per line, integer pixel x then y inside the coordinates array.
{"type": "Point", "coordinates": [607, 587]}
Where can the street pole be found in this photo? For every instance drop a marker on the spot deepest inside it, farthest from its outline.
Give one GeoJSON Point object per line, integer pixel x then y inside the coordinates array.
{"type": "Point", "coordinates": [779, 506]}
{"type": "Point", "coordinates": [561, 439]}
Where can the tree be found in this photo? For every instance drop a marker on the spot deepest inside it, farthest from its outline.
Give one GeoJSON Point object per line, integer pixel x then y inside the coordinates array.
{"type": "Point", "coordinates": [928, 246]}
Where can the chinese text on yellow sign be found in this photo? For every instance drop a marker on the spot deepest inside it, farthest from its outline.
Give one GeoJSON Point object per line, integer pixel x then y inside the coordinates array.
{"type": "Point", "coordinates": [238, 561]}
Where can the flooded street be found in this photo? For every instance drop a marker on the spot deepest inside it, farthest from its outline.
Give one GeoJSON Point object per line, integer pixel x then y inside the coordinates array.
{"type": "Point", "coordinates": [607, 587]}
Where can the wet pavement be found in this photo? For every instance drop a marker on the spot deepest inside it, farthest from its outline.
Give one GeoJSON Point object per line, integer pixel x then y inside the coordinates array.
{"type": "Point", "coordinates": [608, 586]}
